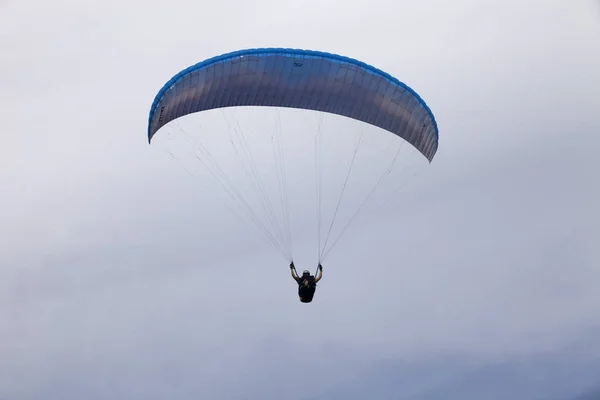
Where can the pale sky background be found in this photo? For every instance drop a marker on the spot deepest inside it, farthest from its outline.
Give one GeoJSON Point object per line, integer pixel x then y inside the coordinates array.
{"type": "Point", "coordinates": [122, 278]}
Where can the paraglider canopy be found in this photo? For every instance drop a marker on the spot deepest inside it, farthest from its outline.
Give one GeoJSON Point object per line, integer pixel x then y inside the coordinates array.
{"type": "Point", "coordinates": [303, 79]}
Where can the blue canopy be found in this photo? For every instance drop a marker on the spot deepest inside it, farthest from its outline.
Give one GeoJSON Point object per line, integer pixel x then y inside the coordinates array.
{"type": "Point", "coordinates": [302, 79]}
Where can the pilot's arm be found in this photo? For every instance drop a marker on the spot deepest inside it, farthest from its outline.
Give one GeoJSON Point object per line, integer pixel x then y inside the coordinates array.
{"type": "Point", "coordinates": [319, 274]}
{"type": "Point", "coordinates": [293, 271]}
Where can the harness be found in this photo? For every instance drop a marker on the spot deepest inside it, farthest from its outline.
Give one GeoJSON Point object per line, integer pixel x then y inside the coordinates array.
{"type": "Point", "coordinates": [312, 284]}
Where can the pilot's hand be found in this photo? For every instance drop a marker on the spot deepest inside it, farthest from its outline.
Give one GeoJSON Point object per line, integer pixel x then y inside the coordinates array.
{"type": "Point", "coordinates": [292, 265]}
{"type": "Point", "coordinates": [320, 268]}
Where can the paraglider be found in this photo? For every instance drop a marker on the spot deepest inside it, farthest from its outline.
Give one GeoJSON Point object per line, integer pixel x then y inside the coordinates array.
{"type": "Point", "coordinates": [307, 283]}
{"type": "Point", "coordinates": [303, 80]}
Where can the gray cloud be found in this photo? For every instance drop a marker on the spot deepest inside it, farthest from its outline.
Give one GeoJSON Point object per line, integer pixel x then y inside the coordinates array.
{"type": "Point", "coordinates": [121, 278]}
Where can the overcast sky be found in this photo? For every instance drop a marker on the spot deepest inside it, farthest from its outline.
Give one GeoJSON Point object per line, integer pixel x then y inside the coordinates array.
{"type": "Point", "coordinates": [123, 277]}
